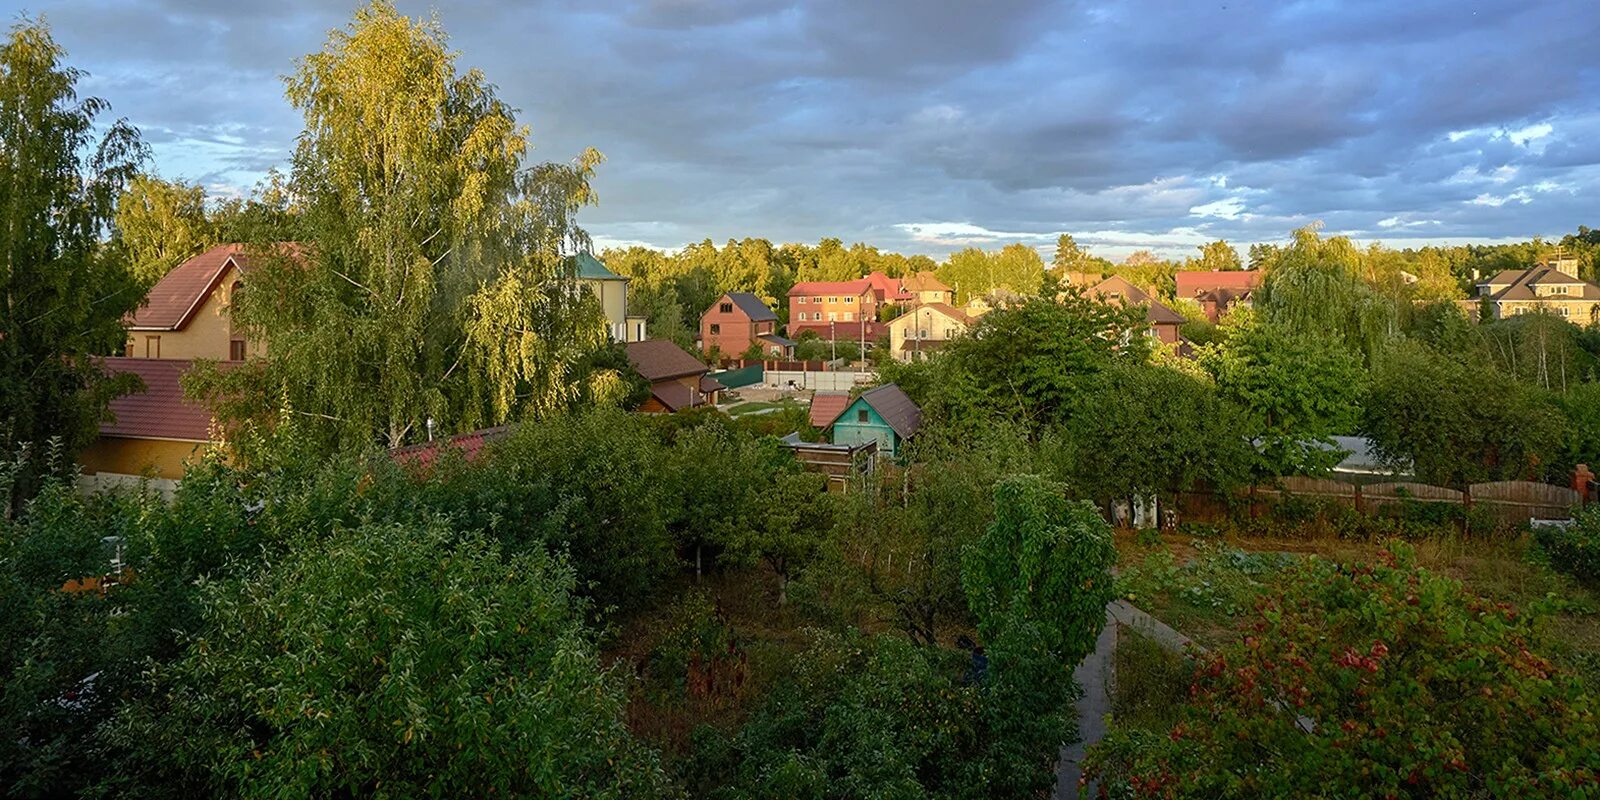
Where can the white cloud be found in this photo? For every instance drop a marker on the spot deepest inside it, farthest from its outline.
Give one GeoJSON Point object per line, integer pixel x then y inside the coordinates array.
{"type": "Point", "coordinates": [1396, 222]}
{"type": "Point", "coordinates": [1227, 208]}
{"type": "Point", "coordinates": [1531, 133]}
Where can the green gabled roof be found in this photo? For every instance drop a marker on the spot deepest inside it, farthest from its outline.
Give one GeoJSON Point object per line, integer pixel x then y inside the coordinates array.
{"type": "Point", "coordinates": [590, 268]}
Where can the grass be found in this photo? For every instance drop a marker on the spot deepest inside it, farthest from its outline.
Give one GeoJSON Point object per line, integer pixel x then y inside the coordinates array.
{"type": "Point", "coordinates": [739, 409]}
{"type": "Point", "coordinates": [1149, 682]}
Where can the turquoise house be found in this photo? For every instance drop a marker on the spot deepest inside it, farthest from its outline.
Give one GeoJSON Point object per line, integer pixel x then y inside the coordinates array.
{"type": "Point", "coordinates": [884, 415]}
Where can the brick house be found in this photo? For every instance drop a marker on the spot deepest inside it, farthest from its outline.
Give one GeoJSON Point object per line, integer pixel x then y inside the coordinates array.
{"type": "Point", "coordinates": [1164, 322]}
{"type": "Point", "coordinates": [1217, 291]}
{"type": "Point", "coordinates": [152, 432]}
{"type": "Point", "coordinates": [925, 288]}
{"type": "Point", "coordinates": [738, 319]}
{"type": "Point", "coordinates": [678, 380]}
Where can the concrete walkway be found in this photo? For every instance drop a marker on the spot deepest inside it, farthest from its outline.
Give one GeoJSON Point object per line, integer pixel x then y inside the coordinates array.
{"type": "Point", "coordinates": [1096, 675]}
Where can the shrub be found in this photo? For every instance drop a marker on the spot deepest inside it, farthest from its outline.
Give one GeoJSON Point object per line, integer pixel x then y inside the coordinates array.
{"type": "Point", "coordinates": [396, 661]}
{"type": "Point", "coordinates": [1575, 550]}
{"type": "Point", "coordinates": [1370, 680]}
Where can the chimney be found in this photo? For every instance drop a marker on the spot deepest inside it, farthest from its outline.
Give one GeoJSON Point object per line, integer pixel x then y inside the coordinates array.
{"type": "Point", "coordinates": [1566, 265]}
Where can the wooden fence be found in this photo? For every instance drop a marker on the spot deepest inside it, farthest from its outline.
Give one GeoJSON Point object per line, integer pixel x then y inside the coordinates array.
{"type": "Point", "coordinates": [1505, 503]}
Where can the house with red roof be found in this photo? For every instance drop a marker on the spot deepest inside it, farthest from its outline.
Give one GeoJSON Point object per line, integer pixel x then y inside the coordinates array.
{"type": "Point", "coordinates": [1217, 291]}
{"type": "Point", "coordinates": [678, 380]}
{"type": "Point", "coordinates": [821, 306]}
{"type": "Point", "coordinates": [1164, 322]}
{"type": "Point", "coordinates": [186, 315]}
{"type": "Point", "coordinates": [152, 432]}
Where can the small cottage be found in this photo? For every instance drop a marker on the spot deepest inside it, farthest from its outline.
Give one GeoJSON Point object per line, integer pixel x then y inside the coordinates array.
{"type": "Point", "coordinates": [884, 415]}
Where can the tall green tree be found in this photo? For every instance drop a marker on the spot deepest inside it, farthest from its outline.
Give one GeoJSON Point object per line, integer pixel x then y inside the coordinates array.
{"type": "Point", "coordinates": [1218, 256]}
{"type": "Point", "coordinates": [1456, 421]}
{"type": "Point", "coordinates": [433, 284]}
{"type": "Point", "coordinates": [63, 292]}
{"type": "Point", "coordinates": [159, 225]}
{"type": "Point", "coordinates": [1315, 287]}
{"type": "Point", "coordinates": [1300, 389]}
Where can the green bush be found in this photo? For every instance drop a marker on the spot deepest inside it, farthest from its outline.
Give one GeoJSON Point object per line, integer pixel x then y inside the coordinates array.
{"type": "Point", "coordinates": [1370, 680]}
{"type": "Point", "coordinates": [396, 661]}
{"type": "Point", "coordinates": [1575, 550]}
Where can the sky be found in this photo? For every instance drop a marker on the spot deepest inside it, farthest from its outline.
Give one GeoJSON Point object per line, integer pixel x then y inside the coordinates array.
{"type": "Point", "coordinates": [923, 126]}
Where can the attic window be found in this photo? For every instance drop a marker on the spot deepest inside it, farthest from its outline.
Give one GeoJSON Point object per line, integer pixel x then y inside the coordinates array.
{"type": "Point", "coordinates": [861, 416]}
{"type": "Point", "coordinates": [726, 308]}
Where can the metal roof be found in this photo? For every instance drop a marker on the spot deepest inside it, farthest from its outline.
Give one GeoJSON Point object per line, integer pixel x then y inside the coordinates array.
{"type": "Point", "coordinates": [591, 268]}
{"type": "Point", "coordinates": [752, 306]}
{"type": "Point", "coordinates": [896, 409]}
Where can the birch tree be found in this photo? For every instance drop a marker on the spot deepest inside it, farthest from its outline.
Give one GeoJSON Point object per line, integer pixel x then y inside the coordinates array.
{"type": "Point", "coordinates": [62, 292]}
{"type": "Point", "coordinates": [433, 284]}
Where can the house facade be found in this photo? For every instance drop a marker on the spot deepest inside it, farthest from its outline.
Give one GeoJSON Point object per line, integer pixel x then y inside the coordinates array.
{"type": "Point", "coordinates": [883, 415]}
{"type": "Point", "coordinates": [1553, 287]}
{"type": "Point", "coordinates": [738, 319]}
{"type": "Point", "coordinates": [611, 290]}
{"type": "Point", "coordinates": [152, 433]}
{"type": "Point", "coordinates": [678, 380]}
{"type": "Point", "coordinates": [1217, 292]}
{"type": "Point", "coordinates": [926, 329]}
{"type": "Point", "coordinates": [924, 288]}
{"type": "Point", "coordinates": [1165, 323]}
{"type": "Point", "coordinates": [813, 304]}
{"type": "Point", "coordinates": [187, 314]}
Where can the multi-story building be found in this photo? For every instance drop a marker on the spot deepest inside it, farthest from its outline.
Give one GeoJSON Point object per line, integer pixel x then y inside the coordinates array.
{"type": "Point", "coordinates": [926, 329]}
{"type": "Point", "coordinates": [1553, 286]}
{"type": "Point", "coordinates": [844, 309]}
{"type": "Point", "coordinates": [187, 314]}
{"type": "Point", "coordinates": [738, 319]}
{"type": "Point", "coordinates": [612, 291]}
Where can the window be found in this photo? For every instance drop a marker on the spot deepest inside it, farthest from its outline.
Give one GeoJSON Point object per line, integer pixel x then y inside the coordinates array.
{"type": "Point", "coordinates": [236, 350]}
{"type": "Point", "coordinates": [127, 349]}
{"type": "Point", "coordinates": [849, 299]}
{"type": "Point", "coordinates": [817, 300]}
{"type": "Point", "coordinates": [801, 300]}
{"type": "Point", "coordinates": [922, 334]}
{"type": "Point", "coordinates": [152, 347]}
{"type": "Point", "coordinates": [833, 300]}
{"type": "Point", "coordinates": [833, 316]}
{"type": "Point", "coordinates": [715, 329]}
{"type": "Point", "coordinates": [726, 308]}
{"type": "Point", "coordinates": [861, 416]}
{"type": "Point", "coordinates": [849, 316]}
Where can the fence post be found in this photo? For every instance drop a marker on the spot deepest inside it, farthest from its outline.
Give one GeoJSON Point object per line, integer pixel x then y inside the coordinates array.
{"type": "Point", "coordinates": [1466, 509]}
{"type": "Point", "coordinates": [1582, 479]}
{"type": "Point", "coordinates": [1361, 507]}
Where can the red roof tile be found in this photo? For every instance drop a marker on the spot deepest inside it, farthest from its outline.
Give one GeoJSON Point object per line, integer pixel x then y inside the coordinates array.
{"type": "Point", "coordinates": [424, 455]}
{"type": "Point", "coordinates": [160, 411]}
{"type": "Point", "coordinates": [1192, 283]}
{"type": "Point", "coordinates": [173, 301]}
{"type": "Point", "coordinates": [849, 288]}
{"type": "Point", "coordinates": [825, 408]}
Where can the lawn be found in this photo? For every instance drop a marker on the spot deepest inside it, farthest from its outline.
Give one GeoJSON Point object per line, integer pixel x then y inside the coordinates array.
{"type": "Point", "coordinates": [750, 407]}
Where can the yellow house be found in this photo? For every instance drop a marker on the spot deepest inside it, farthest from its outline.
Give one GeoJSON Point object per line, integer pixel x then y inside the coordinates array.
{"type": "Point", "coordinates": [925, 329]}
{"type": "Point", "coordinates": [151, 433]}
{"type": "Point", "coordinates": [612, 291]}
{"type": "Point", "coordinates": [1553, 287]}
{"type": "Point", "coordinates": [927, 288]}
{"type": "Point", "coordinates": [186, 315]}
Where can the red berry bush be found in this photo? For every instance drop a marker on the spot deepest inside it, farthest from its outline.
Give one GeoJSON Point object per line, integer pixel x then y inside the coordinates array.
{"type": "Point", "coordinates": [1369, 680]}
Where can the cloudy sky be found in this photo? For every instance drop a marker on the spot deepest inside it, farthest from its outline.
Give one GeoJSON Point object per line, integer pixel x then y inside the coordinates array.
{"type": "Point", "coordinates": [925, 125]}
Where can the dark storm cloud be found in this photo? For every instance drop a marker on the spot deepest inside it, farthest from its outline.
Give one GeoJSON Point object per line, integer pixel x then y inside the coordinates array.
{"type": "Point", "coordinates": [928, 124]}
